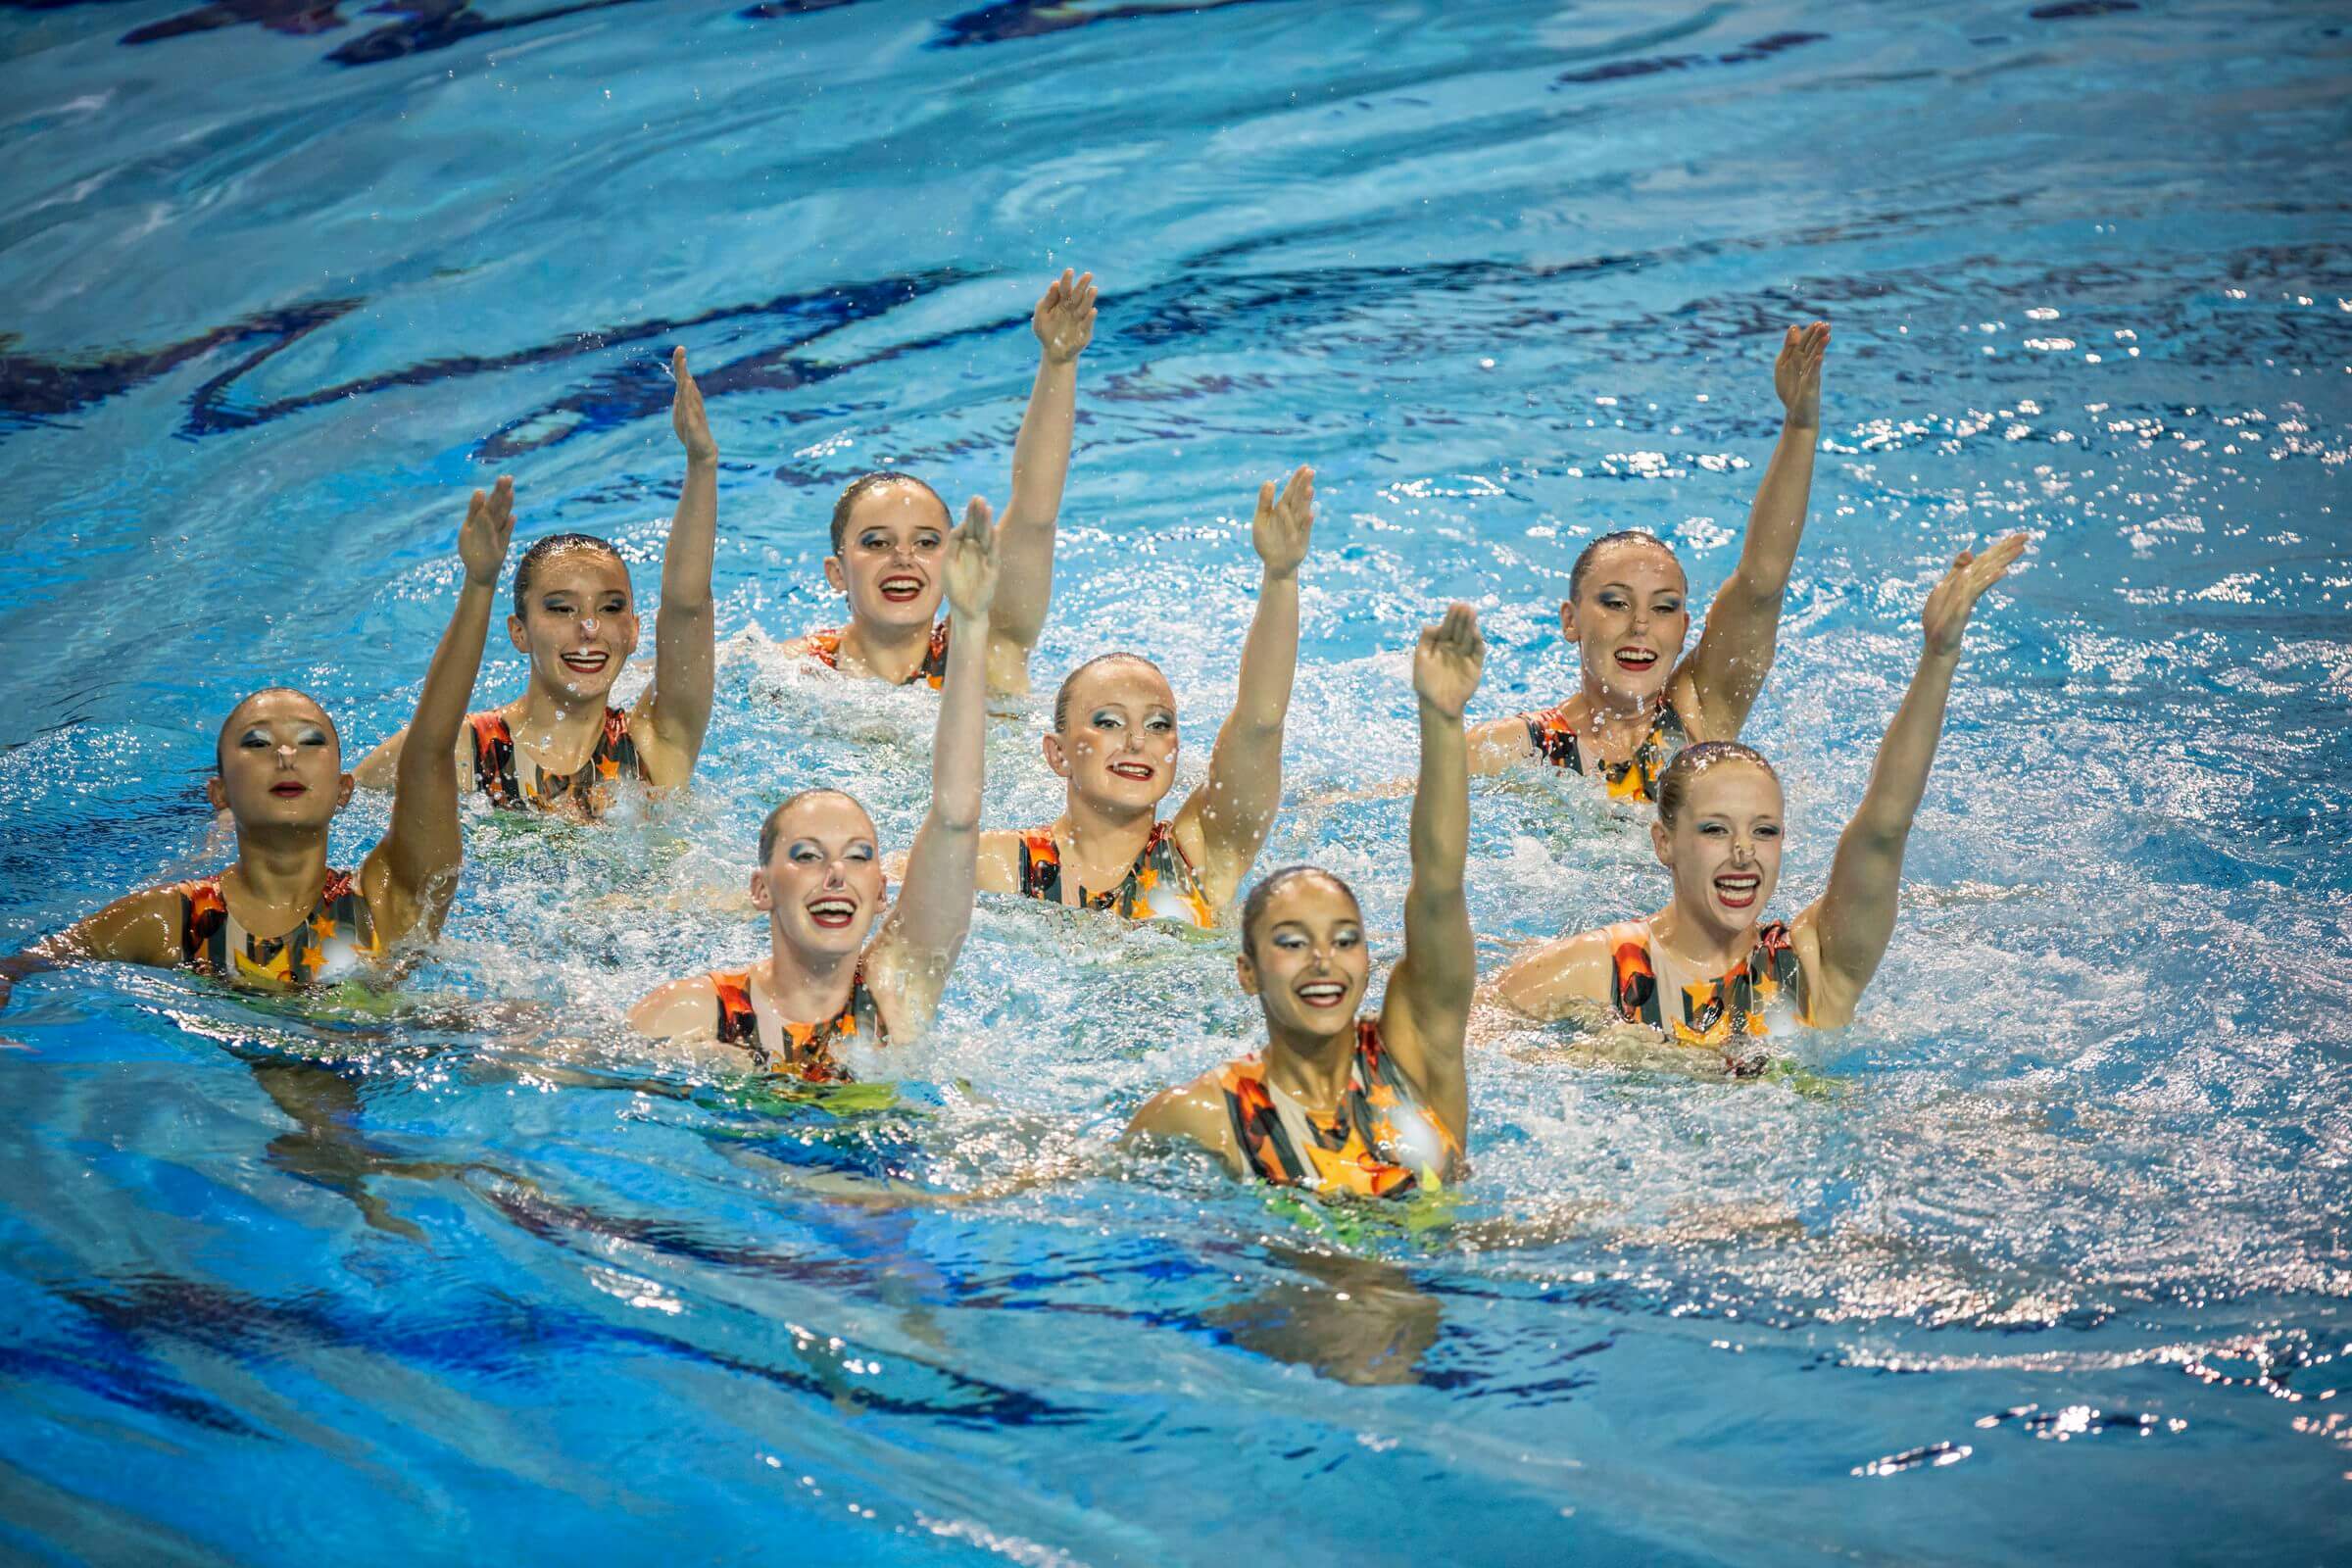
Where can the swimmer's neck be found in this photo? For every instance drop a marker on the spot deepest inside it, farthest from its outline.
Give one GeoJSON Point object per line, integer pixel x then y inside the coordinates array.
{"type": "Point", "coordinates": [1311, 1068]}
{"type": "Point", "coordinates": [1614, 715]}
{"type": "Point", "coordinates": [1101, 838]}
{"type": "Point", "coordinates": [278, 867]}
{"type": "Point", "coordinates": [554, 727]}
{"type": "Point", "coordinates": [1705, 945]}
{"type": "Point", "coordinates": [893, 654]}
{"type": "Point", "coordinates": [806, 988]}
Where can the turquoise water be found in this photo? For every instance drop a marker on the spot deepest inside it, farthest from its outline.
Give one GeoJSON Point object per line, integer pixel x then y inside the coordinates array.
{"type": "Point", "coordinates": [2046, 1259]}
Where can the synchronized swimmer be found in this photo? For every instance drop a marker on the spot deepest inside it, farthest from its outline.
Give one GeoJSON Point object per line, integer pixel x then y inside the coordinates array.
{"type": "Point", "coordinates": [1339, 1100]}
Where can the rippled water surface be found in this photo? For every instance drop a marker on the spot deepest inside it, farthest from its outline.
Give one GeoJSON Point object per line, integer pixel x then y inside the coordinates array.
{"type": "Point", "coordinates": [2043, 1258]}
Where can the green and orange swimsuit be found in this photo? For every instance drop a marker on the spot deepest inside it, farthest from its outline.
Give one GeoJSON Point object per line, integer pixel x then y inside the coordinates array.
{"type": "Point", "coordinates": [587, 790]}
{"type": "Point", "coordinates": [802, 1050]}
{"type": "Point", "coordinates": [336, 941]}
{"type": "Point", "coordinates": [1384, 1142]}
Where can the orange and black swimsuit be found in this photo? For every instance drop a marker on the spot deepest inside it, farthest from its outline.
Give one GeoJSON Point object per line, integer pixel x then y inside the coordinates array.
{"type": "Point", "coordinates": [587, 789]}
{"type": "Point", "coordinates": [1637, 778]}
{"type": "Point", "coordinates": [336, 941]}
{"type": "Point", "coordinates": [1766, 988]}
{"type": "Point", "coordinates": [825, 648]}
{"type": "Point", "coordinates": [807, 1048]}
{"type": "Point", "coordinates": [1161, 884]}
{"type": "Point", "coordinates": [1383, 1144]}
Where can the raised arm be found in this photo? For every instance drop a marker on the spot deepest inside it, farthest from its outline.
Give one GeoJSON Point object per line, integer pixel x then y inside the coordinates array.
{"type": "Point", "coordinates": [1064, 324]}
{"type": "Point", "coordinates": [411, 875]}
{"type": "Point", "coordinates": [1851, 922]}
{"type": "Point", "coordinates": [1225, 822]}
{"type": "Point", "coordinates": [1735, 652]}
{"type": "Point", "coordinates": [925, 929]}
{"type": "Point", "coordinates": [1427, 1010]}
{"type": "Point", "coordinates": [676, 708]}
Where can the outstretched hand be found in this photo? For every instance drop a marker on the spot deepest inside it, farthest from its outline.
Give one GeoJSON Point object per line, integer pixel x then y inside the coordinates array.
{"type": "Point", "coordinates": [1796, 373]}
{"type": "Point", "coordinates": [1065, 320]}
{"type": "Point", "coordinates": [483, 537]}
{"type": "Point", "coordinates": [1448, 664]}
{"type": "Point", "coordinates": [972, 564]}
{"type": "Point", "coordinates": [1946, 617]}
{"type": "Point", "coordinates": [1282, 528]}
{"type": "Point", "coordinates": [686, 415]}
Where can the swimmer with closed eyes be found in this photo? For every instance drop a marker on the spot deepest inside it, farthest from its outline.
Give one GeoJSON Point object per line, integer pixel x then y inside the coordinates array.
{"type": "Point", "coordinates": [279, 918]}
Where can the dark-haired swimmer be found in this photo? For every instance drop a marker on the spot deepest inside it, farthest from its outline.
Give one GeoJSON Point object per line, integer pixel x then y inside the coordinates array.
{"type": "Point", "coordinates": [279, 918]}
{"type": "Point", "coordinates": [1706, 972]}
{"type": "Point", "coordinates": [560, 747]}
{"type": "Point", "coordinates": [1114, 742]}
{"type": "Point", "coordinates": [1628, 613]}
{"type": "Point", "coordinates": [1339, 1103]}
{"type": "Point", "coordinates": [889, 528]}
{"type": "Point", "coordinates": [825, 986]}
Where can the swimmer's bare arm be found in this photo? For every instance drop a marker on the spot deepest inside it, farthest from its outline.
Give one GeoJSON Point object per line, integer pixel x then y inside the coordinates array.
{"type": "Point", "coordinates": [1499, 745]}
{"type": "Point", "coordinates": [910, 957]}
{"type": "Point", "coordinates": [675, 709]}
{"type": "Point", "coordinates": [1845, 933]}
{"type": "Point", "coordinates": [1192, 1113]}
{"type": "Point", "coordinates": [683, 1015]}
{"type": "Point", "coordinates": [142, 927]}
{"type": "Point", "coordinates": [1427, 1010]}
{"type": "Point", "coordinates": [1720, 680]}
{"type": "Point", "coordinates": [1560, 979]}
{"type": "Point", "coordinates": [1064, 324]}
{"type": "Point", "coordinates": [999, 865]}
{"type": "Point", "coordinates": [411, 875]}
{"type": "Point", "coordinates": [1224, 823]}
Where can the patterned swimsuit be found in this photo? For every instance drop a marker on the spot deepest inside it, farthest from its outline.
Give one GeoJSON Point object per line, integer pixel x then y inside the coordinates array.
{"type": "Point", "coordinates": [802, 1050]}
{"type": "Point", "coordinates": [1765, 990]}
{"type": "Point", "coordinates": [825, 648]}
{"type": "Point", "coordinates": [1161, 884]}
{"type": "Point", "coordinates": [335, 943]}
{"type": "Point", "coordinates": [1384, 1142]}
{"type": "Point", "coordinates": [1635, 778]}
{"type": "Point", "coordinates": [587, 790]}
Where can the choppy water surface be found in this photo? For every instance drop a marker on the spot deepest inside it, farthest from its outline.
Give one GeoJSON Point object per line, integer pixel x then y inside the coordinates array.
{"type": "Point", "coordinates": [2044, 1258]}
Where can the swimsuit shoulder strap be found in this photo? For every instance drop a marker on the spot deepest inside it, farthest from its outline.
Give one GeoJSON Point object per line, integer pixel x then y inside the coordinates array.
{"type": "Point", "coordinates": [1633, 977]}
{"type": "Point", "coordinates": [935, 658]}
{"type": "Point", "coordinates": [618, 747]}
{"type": "Point", "coordinates": [824, 646]}
{"type": "Point", "coordinates": [1257, 1130]}
{"type": "Point", "coordinates": [1041, 865]}
{"type": "Point", "coordinates": [204, 923]}
{"type": "Point", "coordinates": [1554, 738]}
{"type": "Point", "coordinates": [738, 1021]}
{"type": "Point", "coordinates": [493, 756]}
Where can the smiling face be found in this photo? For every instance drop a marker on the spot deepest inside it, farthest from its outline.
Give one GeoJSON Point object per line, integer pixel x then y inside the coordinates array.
{"type": "Point", "coordinates": [1723, 844]}
{"type": "Point", "coordinates": [823, 883]}
{"type": "Point", "coordinates": [579, 622]}
{"type": "Point", "coordinates": [1303, 957]}
{"type": "Point", "coordinates": [1117, 744]}
{"type": "Point", "coordinates": [1629, 618]}
{"type": "Point", "coordinates": [280, 765]}
{"type": "Point", "coordinates": [891, 555]}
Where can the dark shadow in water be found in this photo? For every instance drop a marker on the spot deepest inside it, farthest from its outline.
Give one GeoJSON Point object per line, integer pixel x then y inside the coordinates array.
{"type": "Point", "coordinates": [328, 1149]}
{"type": "Point", "coordinates": [1359, 1320]}
{"type": "Point", "coordinates": [1620, 70]}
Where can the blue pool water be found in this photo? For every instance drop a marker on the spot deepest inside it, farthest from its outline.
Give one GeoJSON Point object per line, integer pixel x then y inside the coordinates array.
{"type": "Point", "coordinates": [2046, 1262]}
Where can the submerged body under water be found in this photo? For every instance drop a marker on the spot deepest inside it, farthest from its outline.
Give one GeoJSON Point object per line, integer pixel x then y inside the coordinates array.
{"type": "Point", "coordinates": [2043, 1256]}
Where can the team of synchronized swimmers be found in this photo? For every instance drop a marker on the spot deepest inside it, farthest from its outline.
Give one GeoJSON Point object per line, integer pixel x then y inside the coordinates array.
{"type": "Point", "coordinates": [1339, 1098]}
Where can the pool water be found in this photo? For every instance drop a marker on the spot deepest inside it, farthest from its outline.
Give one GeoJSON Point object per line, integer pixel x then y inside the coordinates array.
{"type": "Point", "coordinates": [2043, 1258]}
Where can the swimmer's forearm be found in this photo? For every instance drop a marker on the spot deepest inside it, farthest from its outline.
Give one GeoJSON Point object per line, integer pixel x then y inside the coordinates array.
{"type": "Point", "coordinates": [959, 745]}
{"type": "Point", "coordinates": [1776, 523]}
{"type": "Point", "coordinates": [1041, 468]}
{"type": "Point", "coordinates": [692, 541]}
{"type": "Point", "coordinates": [1439, 834]}
{"type": "Point", "coordinates": [448, 687]}
{"type": "Point", "coordinates": [1270, 656]}
{"type": "Point", "coordinates": [1899, 779]}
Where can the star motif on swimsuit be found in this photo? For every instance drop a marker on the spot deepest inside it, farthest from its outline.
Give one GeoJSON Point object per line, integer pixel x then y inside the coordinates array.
{"type": "Point", "coordinates": [323, 926]}
{"type": "Point", "coordinates": [607, 767]}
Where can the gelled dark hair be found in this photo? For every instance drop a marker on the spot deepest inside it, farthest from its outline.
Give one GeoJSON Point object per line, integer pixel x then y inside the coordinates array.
{"type": "Point", "coordinates": [771, 829]}
{"type": "Point", "coordinates": [1584, 556]}
{"type": "Point", "coordinates": [1253, 908]}
{"type": "Point", "coordinates": [555, 544]}
{"type": "Point", "coordinates": [1674, 785]}
{"type": "Point", "coordinates": [1062, 692]}
{"type": "Point", "coordinates": [865, 485]}
{"type": "Point", "coordinates": [221, 741]}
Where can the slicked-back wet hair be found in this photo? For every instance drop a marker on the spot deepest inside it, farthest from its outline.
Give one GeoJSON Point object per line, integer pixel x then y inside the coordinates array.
{"type": "Point", "coordinates": [555, 544]}
{"type": "Point", "coordinates": [1674, 785]}
{"type": "Point", "coordinates": [866, 485]}
{"type": "Point", "coordinates": [1584, 558]}
{"type": "Point", "coordinates": [773, 828]}
{"type": "Point", "coordinates": [1253, 908]}
{"type": "Point", "coordinates": [1062, 692]}
{"type": "Point", "coordinates": [221, 741]}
